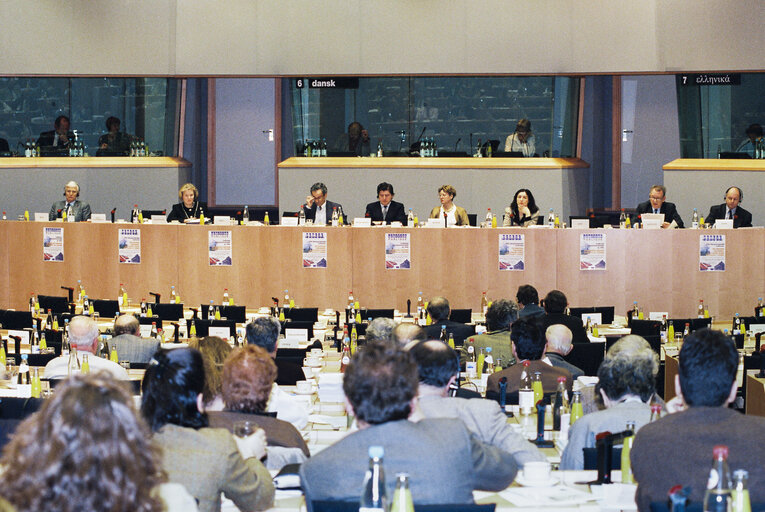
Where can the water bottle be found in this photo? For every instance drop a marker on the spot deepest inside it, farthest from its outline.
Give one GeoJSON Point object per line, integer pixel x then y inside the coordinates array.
{"type": "Point", "coordinates": [489, 218]}
{"type": "Point", "coordinates": [375, 496]}
{"type": "Point", "coordinates": [718, 494]}
{"type": "Point", "coordinates": [622, 220]}
{"type": "Point", "coordinates": [246, 214]}
{"type": "Point", "coordinates": [551, 218]}
{"type": "Point", "coordinates": [301, 215]}
{"type": "Point", "coordinates": [410, 218]}
{"type": "Point", "coordinates": [402, 499]}
{"type": "Point", "coordinates": [695, 219]}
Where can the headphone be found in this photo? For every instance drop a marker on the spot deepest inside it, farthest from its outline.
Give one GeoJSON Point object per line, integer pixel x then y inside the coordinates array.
{"type": "Point", "coordinates": [740, 194]}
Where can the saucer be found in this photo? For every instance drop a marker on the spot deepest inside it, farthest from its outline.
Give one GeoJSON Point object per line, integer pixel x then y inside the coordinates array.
{"type": "Point", "coordinates": [549, 482]}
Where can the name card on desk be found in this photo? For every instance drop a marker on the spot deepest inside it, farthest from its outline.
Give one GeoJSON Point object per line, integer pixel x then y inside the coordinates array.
{"type": "Point", "coordinates": [435, 223]}
{"type": "Point", "coordinates": [41, 217]}
{"type": "Point", "coordinates": [362, 222]}
{"type": "Point", "coordinates": [158, 219]}
{"type": "Point", "coordinates": [222, 220]}
{"type": "Point", "coordinates": [755, 328]}
{"type": "Point", "coordinates": [724, 224]}
{"type": "Point", "coordinates": [289, 343]}
{"type": "Point", "coordinates": [221, 332]}
{"type": "Point", "coordinates": [289, 221]}
{"type": "Point", "coordinates": [580, 223]}
{"type": "Point", "coordinates": [296, 334]}
{"type": "Point", "coordinates": [98, 217]}
{"type": "Point", "coordinates": [145, 330]}
{"type": "Point", "coordinates": [24, 335]}
{"type": "Point", "coordinates": [657, 315]}
{"type": "Point", "coordinates": [595, 318]}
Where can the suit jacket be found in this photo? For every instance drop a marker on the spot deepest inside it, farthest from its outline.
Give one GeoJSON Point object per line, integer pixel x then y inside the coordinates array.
{"type": "Point", "coordinates": [179, 213]}
{"type": "Point", "coordinates": [278, 432]}
{"type": "Point", "coordinates": [486, 420]}
{"type": "Point", "coordinates": [460, 331]}
{"type": "Point", "coordinates": [742, 219]}
{"type": "Point", "coordinates": [288, 372]}
{"type": "Point", "coordinates": [395, 212]}
{"type": "Point", "coordinates": [499, 341]}
{"type": "Point", "coordinates": [460, 214]}
{"type": "Point", "coordinates": [549, 373]}
{"type": "Point", "coordinates": [558, 361]}
{"type": "Point", "coordinates": [531, 310]}
{"type": "Point", "coordinates": [668, 209]}
{"type": "Point", "coordinates": [133, 348]}
{"type": "Point", "coordinates": [444, 460]}
{"type": "Point", "coordinates": [677, 449]}
{"type": "Point", "coordinates": [47, 139]}
{"type": "Point", "coordinates": [80, 210]}
{"type": "Point", "coordinates": [207, 462]}
{"type": "Point", "coordinates": [310, 213]}
{"type": "Point", "coordinates": [572, 322]}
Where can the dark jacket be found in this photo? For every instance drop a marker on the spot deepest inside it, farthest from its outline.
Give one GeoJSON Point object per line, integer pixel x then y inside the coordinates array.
{"type": "Point", "coordinates": [742, 218]}
{"type": "Point", "coordinates": [395, 212]}
{"type": "Point", "coordinates": [668, 209]}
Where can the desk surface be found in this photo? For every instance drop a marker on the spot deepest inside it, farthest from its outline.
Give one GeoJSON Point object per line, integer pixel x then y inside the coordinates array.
{"type": "Point", "coordinates": [95, 162]}
{"type": "Point", "coordinates": [435, 163]}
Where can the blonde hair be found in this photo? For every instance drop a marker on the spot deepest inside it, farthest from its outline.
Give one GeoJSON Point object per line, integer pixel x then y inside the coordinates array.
{"type": "Point", "coordinates": [188, 186]}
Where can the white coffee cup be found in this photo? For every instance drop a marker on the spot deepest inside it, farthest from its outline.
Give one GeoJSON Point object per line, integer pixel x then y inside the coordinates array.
{"type": "Point", "coordinates": [317, 352]}
{"type": "Point", "coordinates": [312, 361]}
{"type": "Point", "coordinates": [308, 372]}
{"type": "Point", "coordinates": [303, 386]}
{"type": "Point", "coordinates": [536, 471]}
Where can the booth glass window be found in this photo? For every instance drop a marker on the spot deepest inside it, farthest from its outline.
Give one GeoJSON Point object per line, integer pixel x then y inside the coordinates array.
{"type": "Point", "coordinates": [714, 119]}
{"type": "Point", "coordinates": [146, 107]}
{"type": "Point", "coordinates": [455, 112]}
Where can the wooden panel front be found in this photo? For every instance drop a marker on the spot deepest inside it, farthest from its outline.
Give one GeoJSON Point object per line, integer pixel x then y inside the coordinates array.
{"type": "Point", "coordinates": [755, 394]}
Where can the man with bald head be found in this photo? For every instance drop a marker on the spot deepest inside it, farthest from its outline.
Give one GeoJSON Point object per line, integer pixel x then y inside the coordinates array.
{"type": "Point", "coordinates": [128, 342]}
{"type": "Point", "coordinates": [76, 210]}
{"type": "Point", "coordinates": [558, 346]}
{"type": "Point", "coordinates": [731, 209]}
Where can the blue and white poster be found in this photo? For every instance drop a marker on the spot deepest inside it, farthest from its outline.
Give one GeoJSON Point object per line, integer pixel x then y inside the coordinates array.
{"type": "Point", "coordinates": [592, 251]}
{"type": "Point", "coordinates": [53, 244]}
{"type": "Point", "coordinates": [712, 253]}
{"type": "Point", "coordinates": [219, 248]}
{"type": "Point", "coordinates": [129, 245]}
{"type": "Point", "coordinates": [512, 252]}
{"type": "Point", "coordinates": [397, 251]}
{"type": "Point", "coordinates": [314, 249]}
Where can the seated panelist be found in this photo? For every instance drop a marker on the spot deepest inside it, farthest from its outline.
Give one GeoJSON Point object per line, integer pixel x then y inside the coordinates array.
{"type": "Point", "coordinates": [455, 215]}
{"type": "Point", "coordinates": [656, 204]}
{"type": "Point", "coordinates": [385, 209]}
{"type": "Point", "coordinates": [523, 211]}
{"type": "Point", "coordinates": [317, 208]}
{"type": "Point", "coordinates": [190, 207]}
{"type": "Point", "coordinates": [76, 210]}
{"type": "Point", "coordinates": [731, 209]}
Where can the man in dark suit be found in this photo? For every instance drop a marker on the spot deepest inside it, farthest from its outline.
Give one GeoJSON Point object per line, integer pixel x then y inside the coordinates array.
{"type": "Point", "coordinates": [656, 204]}
{"type": "Point", "coordinates": [558, 346]}
{"type": "Point", "coordinates": [76, 210]}
{"type": "Point", "coordinates": [439, 310]}
{"type": "Point", "coordinates": [128, 342]}
{"type": "Point", "coordinates": [386, 209]}
{"type": "Point", "coordinates": [316, 206]}
{"type": "Point", "coordinates": [528, 298]}
{"type": "Point", "coordinates": [444, 460]}
{"type": "Point", "coordinates": [60, 137]}
{"type": "Point", "coordinates": [555, 304]}
{"type": "Point", "coordinates": [731, 210]}
{"type": "Point", "coordinates": [264, 332]}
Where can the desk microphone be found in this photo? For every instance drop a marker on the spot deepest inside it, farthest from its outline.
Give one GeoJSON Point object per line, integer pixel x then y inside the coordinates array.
{"type": "Point", "coordinates": [456, 144]}
{"type": "Point", "coordinates": [421, 134]}
{"type": "Point", "coordinates": [156, 296]}
{"type": "Point", "coordinates": [176, 337]}
{"type": "Point", "coordinates": [446, 220]}
{"type": "Point", "coordinates": [409, 308]}
{"type": "Point", "coordinates": [114, 210]}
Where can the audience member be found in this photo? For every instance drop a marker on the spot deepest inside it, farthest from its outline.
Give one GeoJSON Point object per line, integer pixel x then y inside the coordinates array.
{"type": "Point", "coordinates": [214, 351]}
{"type": "Point", "coordinates": [444, 460]}
{"type": "Point", "coordinates": [76, 210]}
{"type": "Point", "coordinates": [555, 304]}
{"type": "Point", "coordinates": [264, 332]}
{"type": "Point", "coordinates": [128, 342]}
{"type": "Point", "coordinates": [656, 204]}
{"type": "Point", "coordinates": [731, 209]}
{"type": "Point", "coordinates": [558, 346]}
{"type": "Point", "coordinates": [528, 299]}
{"type": "Point", "coordinates": [207, 461]}
{"type": "Point", "coordinates": [380, 329]}
{"type": "Point", "coordinates": [499, 317]}
{"type": "Point", "coordinates": [385, 210]}
{"type": "Point", "coordinates": [439, 311]}
{"type": "Point", "coordinates": [317, 208]}
{"type": "Point", "coordinates": [406, 333]}
{"type": "Point", "coordinates": [626, 384]}
{"type": "Point", "coordinates": [60, 137]}
{"type": "Point", "coordinates": [677, 449]}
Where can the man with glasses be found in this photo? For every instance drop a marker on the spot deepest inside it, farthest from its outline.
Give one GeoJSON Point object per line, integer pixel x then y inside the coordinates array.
{"type": "Point", "coordinates": [656, 204]}
{"type": "Point", "coordinates": [317, 208]}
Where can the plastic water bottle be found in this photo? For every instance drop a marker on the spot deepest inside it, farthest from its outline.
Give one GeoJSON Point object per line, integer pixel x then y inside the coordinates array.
{"type": "Point", "coordinates": [375, 496]}
{"type": "Point", "coordinates": [718, 494]}
{"type": "Point", "coordinates": [695, 219]}
{"type": "Point", "coordinates": [489, 218]}
{"type": "Point", "coordinates": [301, 215]}
{"type": "Point", "coordinates": [551, 218]}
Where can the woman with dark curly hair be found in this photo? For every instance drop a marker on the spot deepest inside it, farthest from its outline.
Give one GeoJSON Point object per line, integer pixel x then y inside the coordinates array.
{"type": "Point", "coordinates": [523, 211]}
{"type": "Point", "coordinates": [207, 461]}
{"type": "Point", "coordinates": [86, 449]}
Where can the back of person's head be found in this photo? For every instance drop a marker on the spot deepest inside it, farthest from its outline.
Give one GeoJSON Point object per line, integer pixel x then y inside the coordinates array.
{"type": "Point", "coordinates": [438, 309]}
{"type": "Point", "coordinates": [127, 324]}
{"type": "Point", "coordinates": [501, 314]}
{"type": "Point", "coordinates": [405, 333]}
{"type": "Point", "coordinates": [527, 294]}
{"type": "Point", "coordinates": [380, 383]}
{"type": "Point", "coordinates": [527, 339]}
{"type": "Point", "coordinates": [86, 449]}
{"type": "Point", "coordinates": [380, 329]}
{"type": "Point", "coordinates": [83, 332]}
{"type": "Point", "coordinates": [263, 332]}
{"type": "Point", "coordinates": [173, 381]}
{"type": "Point", "coordinates": [436, 362]}
{"type": "Point", "coordinates": [707, 370]}
{"type": "Point", "coordinates": [555, 302]}
{"type": "Point", "coordinates": [249, 373]}
{"type": "Point", "coordinates": [629, 368]}
{"type": "Point", "coordinates": [559, 338]}
{"type": "Point", "coordinates": [214, 351]}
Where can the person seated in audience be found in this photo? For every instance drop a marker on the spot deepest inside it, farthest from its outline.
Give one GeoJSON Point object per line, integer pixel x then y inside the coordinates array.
{"type": "Point", "coordinates": [83, 336]}
{"type": "Point", "coordinates": [86, 449]}
{"type": "Point", "coordinates": [214, 351]}
{"type": "Point", "coordinates": [753, 134]}
{"type": "Point", "coordinates": [522, 139]}
{"type": "Point", "coordinates": [555, 304]}
{"type": "Point", "coordinates": [528, 301]}
{"type": "Point", "coordinates": [114, 141]}
{"type": "Point", "coordinates": [380, 329]}
{"type": "Point", "coordinates": [128, 342]}
{"type": "Point", "coordinates": [731, 209]}
{"type": "Point", "coordinates": [559, 345]}
{"type": "Point", "coordinates": [405, 333]}
{"type": "Point", "coordinates": [317, 208]}
{"type": "Point", "coordinates": [455, 215]}
{"type": "Point", "coordinates": [385, 210]}
{"type": "Point", "coordinates": [523, 211]}
{"type": "Point", "coordinates": [528, 345]}
{"type": "Point", "coordinates": [444, 460]}
{"type": "Point", "coordinates": [207, 461]}
{"type": "Point", "coordinates": [189, 206]}
{"type": "Point", "coordinates": [60, 137]}
{"type": "Point", "coordinates": [626, 384]}
{"type": "Point", "coordinates": [248, 375]}
{"type": "Point", "coordinates": [438, 368]}
{"type": "Point", "coordinates": [439, 311]}
{"type": "Point", "coordinates": [264, 332]}
{"type": "Point", "coordinates": [76, 210]}
{"type": "Point", "coordinates": [499, 317]}
{"type": "Point", "coordinates": [656, 204]}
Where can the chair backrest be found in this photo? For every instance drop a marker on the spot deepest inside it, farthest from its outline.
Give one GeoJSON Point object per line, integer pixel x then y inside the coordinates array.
{"type": "Point", "coordinates": [648, 327]}
{"type": "Point", "coordinates": [106, 308]}
{"type": "Point", "coordinates": [376, 313]}
{"type": "Point", "coordinates": [472, 219]}
{"type": "Point", "coordinates": [14, 408]}
{"type": "Point", "coordinates": [171, 312]}
{"type": "Point", "coordinates": [591, 458]}
{"type": "Point", "coordinates": [55, 303]}
{"type": "Point", "coordinates": [203, 326]}
{"type": "Point", "coordinates": [235, 313]}
{"type": "Point", "coordinates": [147, 320]}
{"type": "Point", "coordinates": [587, 356]}
{"type": "Point", "coordinates": [302, 325]}
{"type": "Point", "coordinates": [16, 319]}
{"type": "Point", "coordinates": [463, 316]}
{"type": "Point", "coordinates": [302, 314]}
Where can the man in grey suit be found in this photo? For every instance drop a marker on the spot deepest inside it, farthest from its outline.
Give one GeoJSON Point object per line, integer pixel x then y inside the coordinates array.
{"type": "Point", "coordinates": [438, 366]}
{"type": "Point", "coordinates": [76, 210]}
{"type": "Point", "coordinates": [128, 342]}
{"type": "Point", "coordinates": [559, 345]}
{"type": "Point", "coordinates": [444, 460]}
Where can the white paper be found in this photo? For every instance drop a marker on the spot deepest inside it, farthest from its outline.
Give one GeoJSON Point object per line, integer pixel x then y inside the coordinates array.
{"type": "Point", "coordinates": [712, 253]}
{"type": "Point", "coordinates": [289, 221]}
{"type": "Point", "coordinates": [362, 221]}
{"type": "Point", "coordinates": [314, 249]}
{"type": "Point", "coordinates": [592, 251]}
{"type": "Point", "coordinates": [657, 315]}
{"type": "Point", "coordinates": [53, 244]}
{"type": "Point", "coordinates": [397, 251]}
{"type": "Point", "coordinates": [41, 217]}
{"type": "Point", "coordinates": [512, 252]}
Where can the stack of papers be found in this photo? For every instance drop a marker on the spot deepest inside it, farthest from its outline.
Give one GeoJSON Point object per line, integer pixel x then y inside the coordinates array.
{"type": "Point", "coordinates": [331, 387]}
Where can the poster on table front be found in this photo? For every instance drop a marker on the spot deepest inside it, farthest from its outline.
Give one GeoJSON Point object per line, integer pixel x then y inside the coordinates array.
{"type": "Point", "coordinates": [53, 244]}
{"type": "Point", "coordinates": [314, 249]}
{"type": "Point", "coordinates": [397, 251]}
{"type": "Point", "coordinates": [512, 252]}
{"type": "Point", "coordinates": [129, 245]}
{"type": "Point", "coordinates": [592, 251]}
{"type": "Point", "coordinates": [712, 253]}
{"type": "Point", "coordinates": [219, 248]}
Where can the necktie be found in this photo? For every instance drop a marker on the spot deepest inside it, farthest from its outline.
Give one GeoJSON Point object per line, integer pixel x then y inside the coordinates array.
{"type": "Point", "coordinates": [729, 215]}
{"type": "Point", "coordinates": [385, 212]}
{"type": "Point", "coordinates": [655, 210]}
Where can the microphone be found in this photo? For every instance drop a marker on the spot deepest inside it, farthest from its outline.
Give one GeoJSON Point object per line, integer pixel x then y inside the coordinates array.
{"type": "Point", "coordinates": [156, 296]}
{"type": "Point", "coordinates": [195, 313]}
{"type": "Point", "coordinates": [471, 140]}
{"type": "Point", "coordinates": [71, 292]}
{"type": "Point", "coordinates": [409, 308]}
{"type": "Point", "coordinates": [114, 210]}
{"type": "Point", "coordinates": [421, 134]}
{"type": "Point", "coordinates": [456, 144]}
{"type": "Point", "coordinates": [446, 221]}
{"type": "Point", "coordinates": [176, 337]}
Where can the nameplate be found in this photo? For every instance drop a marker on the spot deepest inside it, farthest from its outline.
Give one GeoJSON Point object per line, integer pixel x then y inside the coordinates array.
{"type": "Point", "coordinates": [290, 221]}
{"type": "Point", "coordinates": [145, 330]}
{"type": "Point", "coordinates": [595, 318]}
{"type": "Point", "coordinates": [724, 224]}
{"type": "Point", "coordinates": [580, 223]}
{"type": "Point", "coordinates": [755, 328]}
{"type": "Point", "coordinates": [222, 220]}
{"type": "Point", "coordinates": [396, 224]}
{"type": "Point", "coordinates": [362, 222]}
{"type": "Point", "coordinates": [435, 223]}
{"type": "Point", "coordinates": [296, 334]}
{"type": "Point", "coordinates": [24, 335]}
{"type": "Point", "coordinates": [158, 219]}
{"type": "Point", "coordinates": [289, 343]}
{"type": "Point", "coordinates": [41, 217]}
{"type": "Point", "coordinates": [480, 329]}
{"type": "Point", "coordinates": [657, 315]}
{"type": "Point", "coordinates": [652, 223]}
{"type": "Point", "coordinates": [98, 217]}
{"type": "Point", "coordinates": [221, 332]}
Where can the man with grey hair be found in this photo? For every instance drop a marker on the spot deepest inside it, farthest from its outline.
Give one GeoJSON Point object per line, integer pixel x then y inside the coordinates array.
{"type": "Point", "coordinates": [264, 332]}
{"type": "Point", "coordinates": [83, 336]}
{"type": "Point", "coordinates": [76, 210]}
{"type": "Point", "coordinates": [439, 311]}
{"type": "Point", "coordinates": [380, 329]}
{"type": "Point", "coordinates": [317, 208]}
{"type": "Point", "coordinates": [499, 317]}
{"type": "Point", "coordinates": [128, 342]}
{"type": "Point", "coordinates": [558, 346]}
{"type": "Point", "coordinates": [626, 383]}
{"type": "Point", "coordinates": [405, 333]}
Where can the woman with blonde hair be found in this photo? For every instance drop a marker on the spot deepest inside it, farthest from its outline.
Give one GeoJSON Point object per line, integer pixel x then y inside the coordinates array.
{"type": "Point", "coordinates": [455, 215]}
{"type": "Point", "coordinates": [214, 352]}
{"type": "Point", "coordinates": [189, 206]}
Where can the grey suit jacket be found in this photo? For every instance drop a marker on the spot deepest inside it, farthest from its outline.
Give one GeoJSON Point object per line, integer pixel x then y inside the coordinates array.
{"type": "Point", "coordinates": [558, 361]}
{"type": "Point", "coordinates": [486, 420]}
{"type": "Point", "coordinates": [134, 349]}
{"type": "Point", "coordinates": [80, 210]}
{"type": "Point", "coordinates": [444, 460]}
